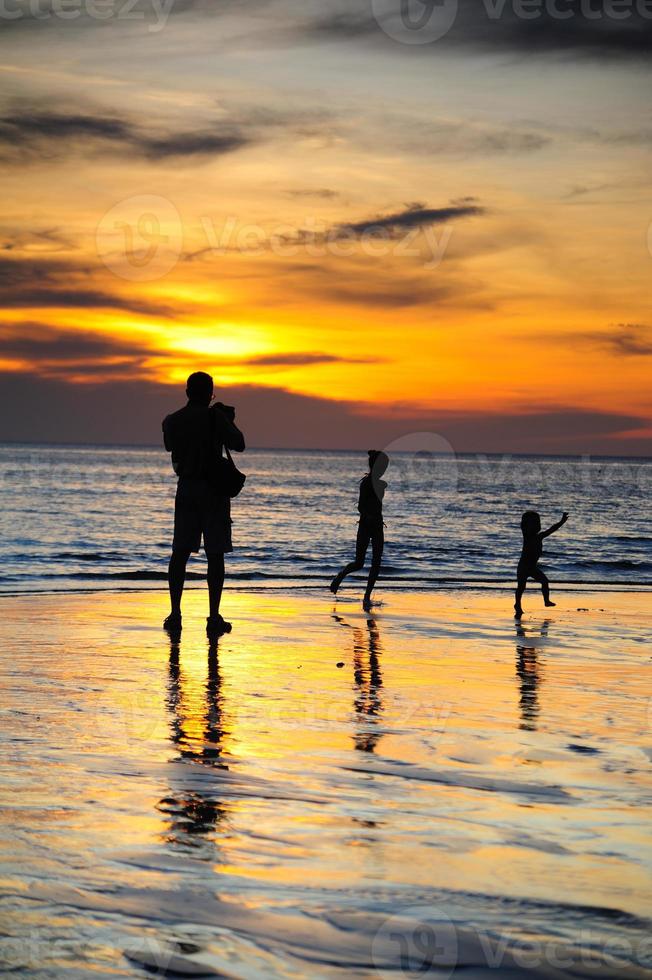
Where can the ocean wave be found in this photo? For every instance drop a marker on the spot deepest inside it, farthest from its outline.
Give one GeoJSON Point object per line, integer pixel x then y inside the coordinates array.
{"type": "Point", "coordinates": [316, 579]}
{"type": "Point", "coordinates": [450, 777]}
{"type": "Point", "coordinates": [622, 564]}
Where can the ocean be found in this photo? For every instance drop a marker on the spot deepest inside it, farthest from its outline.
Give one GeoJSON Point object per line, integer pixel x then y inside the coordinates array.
{"type": "Point", "coordinates": [91, 517]}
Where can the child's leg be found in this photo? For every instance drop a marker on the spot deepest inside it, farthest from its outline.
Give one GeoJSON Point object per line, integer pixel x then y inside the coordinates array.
{"type": "Point", "coordinates": [521, 583]}
{"type": "Point", "coordinates": [377, 547]}
{"type": "Point", "coordinates": [540, 576]}
{"type": "Point", "coordinates": [361, 545]}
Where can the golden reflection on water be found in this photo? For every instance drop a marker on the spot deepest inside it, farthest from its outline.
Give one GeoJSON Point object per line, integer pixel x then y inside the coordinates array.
{"type": "Point", "coordinates": [452, 755]}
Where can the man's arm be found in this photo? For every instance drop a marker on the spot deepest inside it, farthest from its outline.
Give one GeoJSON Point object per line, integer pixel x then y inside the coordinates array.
{"type": "Point", "coordinates": [227, 431]}
{"type": "Point", "coordinates": [555, 527]}
{"type": "Point", "coordinates": [166, 434]}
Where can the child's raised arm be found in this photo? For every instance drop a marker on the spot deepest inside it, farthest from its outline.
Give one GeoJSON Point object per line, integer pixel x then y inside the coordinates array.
{"type": "Point", "coordinates": [554, 527]}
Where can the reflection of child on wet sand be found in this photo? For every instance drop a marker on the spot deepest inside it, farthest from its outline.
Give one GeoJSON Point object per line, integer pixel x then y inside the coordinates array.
{"type": "Point", "coordinates": [528, 566]}
{"type": "Point", "coordinates": [371, 527]}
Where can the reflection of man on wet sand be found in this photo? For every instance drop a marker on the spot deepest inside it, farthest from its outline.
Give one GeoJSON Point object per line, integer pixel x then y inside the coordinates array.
{"type": "Point", "coordinates": [197, 730]}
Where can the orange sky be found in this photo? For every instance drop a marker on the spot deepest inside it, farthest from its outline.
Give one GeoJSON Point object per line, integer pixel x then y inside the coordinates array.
{"type": "Point", "coordinates": [365, 222]}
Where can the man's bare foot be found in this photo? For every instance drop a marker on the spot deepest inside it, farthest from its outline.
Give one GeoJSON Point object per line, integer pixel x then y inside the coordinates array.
{"type": "Point", "coordinates": [548, 602]}
{"type": "Point", "coordinates": [335, 584]}
{"type": "Point", "coordinates": [172, 623]}
{"type": "Point", "coordinates": [217, 626]}
{"type": "Point", "coordinates": [518, 612]}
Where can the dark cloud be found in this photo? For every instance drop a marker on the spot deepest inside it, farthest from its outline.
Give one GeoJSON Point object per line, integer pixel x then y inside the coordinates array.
{"type": "Point", "coordinates": [594, 28]}
{"type": "Point", "coordinates": [622, 339]}
{"type": "Point", "coordinates": [58, 284]}
{"type": "Point", "coordinates": [36, 240]}
{"type": "Point", "coordinates": [412, 216]}
{"type": "Point", "coordinates": [359, 260]}
{"type": "Point", "coordinates": [37, 271]}
{"type": "Point", "coordinates": [27, 126]}
{"type": "Point", "coordinates": [130, 412]}
{"type": "Point", "coordinates": [436, 136]}
{"type": "Point", "coordinates": [45, 343]}
{"type": "Point", "coordinates": [191, 144]}
{"type": "Point", "coordinates": [388, 296]}
{"type": "Point", "coordinates": [323, 193]}
{"type": "Point", "coordinates": [291, 359]}
{"type": "Point", "coordinates": [496, 26]}
{"type": "Point", "coordinates": [632, 339]}
{"type": "Point", "coordinates": [30, 135]}
{"type": "Point", "coordinates": [80, 299]}
{"type": "Point", "coordinates": [378, 283]}
{"type": "Point", "coordinates": [387, 227]}
{"type": "Point", "coordinates": [68, 353]}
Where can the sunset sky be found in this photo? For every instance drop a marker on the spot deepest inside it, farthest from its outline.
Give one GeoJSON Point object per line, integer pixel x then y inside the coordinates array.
{"type": "Point", "coordinates": [358, 234]}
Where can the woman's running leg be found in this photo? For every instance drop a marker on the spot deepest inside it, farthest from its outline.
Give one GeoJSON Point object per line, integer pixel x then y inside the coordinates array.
{"type": "Point", "coordinates": [361, 545]}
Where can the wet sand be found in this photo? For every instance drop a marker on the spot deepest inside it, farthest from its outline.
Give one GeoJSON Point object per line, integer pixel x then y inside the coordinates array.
{"type": "Point", "coordinates": [462, 793]}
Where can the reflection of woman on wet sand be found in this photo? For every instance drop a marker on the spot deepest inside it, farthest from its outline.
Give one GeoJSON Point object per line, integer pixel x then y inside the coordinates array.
{"type": "Point", "coordinates": [370, 527]}
{"type": "Point", "coordinates": [368, 681]}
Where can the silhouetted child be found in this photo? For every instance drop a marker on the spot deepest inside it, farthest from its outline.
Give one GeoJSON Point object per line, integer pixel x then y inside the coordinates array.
{"type": "Point", "coordinates": [371, 527]}
{"type": "Point", "coordinates": [528, 565]}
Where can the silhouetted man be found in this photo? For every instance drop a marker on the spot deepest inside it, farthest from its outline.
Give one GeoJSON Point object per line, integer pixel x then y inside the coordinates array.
{"type": "Point", "coordinates": [196, 436]}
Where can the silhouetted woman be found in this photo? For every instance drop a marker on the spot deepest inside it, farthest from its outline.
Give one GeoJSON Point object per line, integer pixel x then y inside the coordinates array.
{"type": "Point", "coordinates": [370, 527]}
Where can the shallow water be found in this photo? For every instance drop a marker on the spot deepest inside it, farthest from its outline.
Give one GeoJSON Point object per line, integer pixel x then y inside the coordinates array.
{"type": "Point", "coordinates": [80, 517]}
{"type": "Point", "coordinates": [460, 792]}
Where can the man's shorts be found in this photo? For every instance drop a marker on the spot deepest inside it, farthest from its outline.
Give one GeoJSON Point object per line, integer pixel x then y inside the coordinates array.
{"type": "Point", "coordinates": [200, 512]}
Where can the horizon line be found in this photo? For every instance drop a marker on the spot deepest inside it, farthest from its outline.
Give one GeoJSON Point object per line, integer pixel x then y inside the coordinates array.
{"type": "Point", "coordinates": [323, 449]}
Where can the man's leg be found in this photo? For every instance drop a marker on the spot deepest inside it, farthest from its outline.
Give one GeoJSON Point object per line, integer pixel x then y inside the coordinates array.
{"type": "Point", "coordinates": [176, 579]}
{"type": "Point", "coordinates": [215, 578]}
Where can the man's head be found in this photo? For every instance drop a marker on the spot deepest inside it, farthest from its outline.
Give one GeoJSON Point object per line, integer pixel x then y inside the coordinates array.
{"type": "Point", "coordinates": [199, 388]}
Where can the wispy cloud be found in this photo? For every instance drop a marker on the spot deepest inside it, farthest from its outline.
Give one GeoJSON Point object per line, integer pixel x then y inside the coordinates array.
{"type": "Point", "coordinates": [631, 339]}
{"type": "Point", "coordinates": [493, 26]}
{"type": "Point", "coordinates": [57, 284]}
{"type": "Point", "coordinates": [622, 339]}
{"type": "Point", "coordinates": [321, 193]}
{"type": "Point", "coordinates": [305, 359]}
{"type": "Point", "coordinates": [68, 353]}
{"type": "Point", "coordinates": [30, 135]}
{"type": "Point", "coordinates": [416, 215]}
